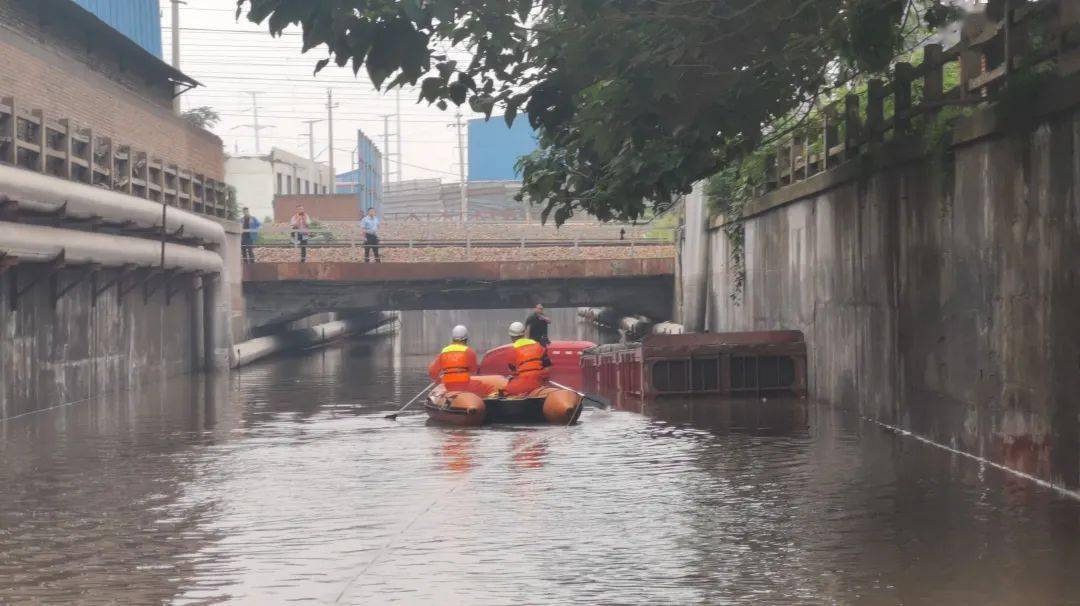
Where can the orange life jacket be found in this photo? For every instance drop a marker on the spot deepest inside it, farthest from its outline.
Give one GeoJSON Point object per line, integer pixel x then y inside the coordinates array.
{"type": "Point", "coordinates": [529, 358]}
{"type": "Point", "coordinates": [456, 363]}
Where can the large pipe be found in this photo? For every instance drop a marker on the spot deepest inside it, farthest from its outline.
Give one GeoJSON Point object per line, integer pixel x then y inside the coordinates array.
{"type": "Point", "coordinates": [668, 328]}
{"type": "Point", "coordinates": [36, 192]}
{"type": "Point", "coordinates": [256, 349]}
{"type": "Point", "coordinates": [633, 327]}
{"type": "Point", "coordinates": [604, 316]}
{"type": "Point", "coordinates": [36, 243]}
{"type": "Point", "coordinates": [44, 193]}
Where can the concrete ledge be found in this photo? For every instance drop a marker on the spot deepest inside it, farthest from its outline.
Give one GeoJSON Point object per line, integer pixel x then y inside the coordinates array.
{"type": "Point", "coordinates": [464, 270]}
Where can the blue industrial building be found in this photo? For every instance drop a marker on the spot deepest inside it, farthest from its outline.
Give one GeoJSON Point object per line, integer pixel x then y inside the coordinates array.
{"type": "Point", "coordinates": [366, 179]}
{"type": "Point", "coordinates": [495, 148]}
{"type": "Point", "coordinates": [139, 20]}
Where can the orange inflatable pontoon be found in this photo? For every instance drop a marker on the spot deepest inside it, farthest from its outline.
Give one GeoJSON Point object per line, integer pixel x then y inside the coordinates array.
{"type": "Point", "coordinates": [547, 404]}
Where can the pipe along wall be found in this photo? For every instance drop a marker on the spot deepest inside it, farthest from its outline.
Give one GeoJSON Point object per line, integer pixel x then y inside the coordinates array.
{"type": "Point", "coordinates": [632, 327]}
{"type": "Point", "coordinates": [84, 313]}
{"type": "Point", "coordinates": [262, 347]}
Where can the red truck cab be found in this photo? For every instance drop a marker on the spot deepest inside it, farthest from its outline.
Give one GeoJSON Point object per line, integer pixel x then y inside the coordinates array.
{"type": "Point", "coordinates": [565, 361]}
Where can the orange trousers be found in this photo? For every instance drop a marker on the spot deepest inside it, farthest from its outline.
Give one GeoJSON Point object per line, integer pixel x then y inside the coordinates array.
{"type": "Point", "coordinates": [473, 386]}
{"type": "Point", "coordinates": [522, 384]}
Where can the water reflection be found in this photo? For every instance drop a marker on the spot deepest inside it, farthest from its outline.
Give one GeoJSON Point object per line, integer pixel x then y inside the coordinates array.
{"type": "Point", "coordinates": [90, 501]}
{"type": "Point", "coordinates": [286, 483]}
{"type": "Point", "coordinates": [457, 450]}
{"type": "Point", "coordinates": [774, 416]}
{"type": "Point", "coordinates": [528, 452]}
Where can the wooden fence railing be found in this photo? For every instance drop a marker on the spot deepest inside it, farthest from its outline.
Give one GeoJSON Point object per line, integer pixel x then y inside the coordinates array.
{"type": "Point", "coordinates": [32, 140]}
{"type": "Point", "coordinates": [1030, 33]}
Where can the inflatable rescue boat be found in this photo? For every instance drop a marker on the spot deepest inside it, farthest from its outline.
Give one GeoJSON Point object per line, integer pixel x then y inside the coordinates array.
{"type": "Point", "coordinates": [549, 404]}
{"type": "Point", "coordinates": [545, 405]}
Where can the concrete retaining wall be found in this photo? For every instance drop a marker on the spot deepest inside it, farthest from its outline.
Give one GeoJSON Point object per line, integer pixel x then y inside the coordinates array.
{"type": "Point", "coordinates": [78, 348]}
{"type": "Point", "coordinates": [946, 306]}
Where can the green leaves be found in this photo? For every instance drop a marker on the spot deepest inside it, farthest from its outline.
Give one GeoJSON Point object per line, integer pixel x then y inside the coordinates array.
{"type": "Point", "coordinates": [633, 100]}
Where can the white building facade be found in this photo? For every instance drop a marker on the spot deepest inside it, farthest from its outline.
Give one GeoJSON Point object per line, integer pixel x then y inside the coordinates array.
{"type": "Point", "coordinates": [258, 179]}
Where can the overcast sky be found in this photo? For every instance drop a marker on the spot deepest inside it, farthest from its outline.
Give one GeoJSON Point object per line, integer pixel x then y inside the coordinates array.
{"type": "Point", "coordinates": [231, 58]}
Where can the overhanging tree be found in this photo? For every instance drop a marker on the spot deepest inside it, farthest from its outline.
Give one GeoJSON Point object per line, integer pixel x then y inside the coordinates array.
{"type": "Point", "coordinates": [634, 100]}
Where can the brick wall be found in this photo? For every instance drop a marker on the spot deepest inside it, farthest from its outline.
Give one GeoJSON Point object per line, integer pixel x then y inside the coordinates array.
{"type": "Point", "coordinates": [340, 207]}
{"type": "Point", "coordinates": [86, 80]}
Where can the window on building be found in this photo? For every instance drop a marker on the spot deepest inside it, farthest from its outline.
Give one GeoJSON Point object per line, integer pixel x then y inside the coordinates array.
{"type": "Point", "coordinates": [278, 190]}
{"type": "Point", "coordinates": [307, 187]}
{"type": "Point", "coordinates": [288, 185]}
{"type": "Point", "coordinates": [298, 190]}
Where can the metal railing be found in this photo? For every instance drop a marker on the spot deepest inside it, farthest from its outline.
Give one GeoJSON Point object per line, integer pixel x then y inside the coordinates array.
{"type": "Point", "coordinates": [326, 239]}
{"type": "Point", "coordinates": [1030, 33]}
{"type": "Point", "coordinates": [32, 140]}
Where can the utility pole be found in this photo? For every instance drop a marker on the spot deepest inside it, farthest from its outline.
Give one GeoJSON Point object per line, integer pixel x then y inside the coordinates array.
{"type": "Point", "coordinates": [330, 105]}
{"type": "Point", "coordinates": [461, 171]}
{"type": "Point", "coordinates": [311, 138]}
{"type": "Point", "coordinates": [255, 126]}
{"type": "Point", "coordinates": [386, 148]}
{"type": "Point", "coordinates": [176, 51]}
{"type": "Point", "coordinates": [397, 103]}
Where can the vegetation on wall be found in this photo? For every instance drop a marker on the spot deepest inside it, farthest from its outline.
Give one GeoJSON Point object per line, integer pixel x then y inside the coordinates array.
{"type": "Point", "coordinates": [202, 117]}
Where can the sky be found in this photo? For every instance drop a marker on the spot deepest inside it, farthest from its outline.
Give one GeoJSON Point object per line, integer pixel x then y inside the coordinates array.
{"type": "Point", "coordinates": [233, 58]}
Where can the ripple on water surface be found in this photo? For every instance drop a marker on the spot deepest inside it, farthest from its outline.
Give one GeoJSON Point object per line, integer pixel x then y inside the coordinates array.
{"type": "Point", "coordinates": [286, 483]}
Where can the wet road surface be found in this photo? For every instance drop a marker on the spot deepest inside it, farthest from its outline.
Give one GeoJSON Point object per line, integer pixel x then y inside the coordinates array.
{"type": "Point", "coordinates": [285, 483]}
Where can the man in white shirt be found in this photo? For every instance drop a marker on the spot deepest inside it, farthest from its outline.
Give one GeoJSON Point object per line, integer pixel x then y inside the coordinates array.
{"type": "Point", "coordinates": [369, 225]}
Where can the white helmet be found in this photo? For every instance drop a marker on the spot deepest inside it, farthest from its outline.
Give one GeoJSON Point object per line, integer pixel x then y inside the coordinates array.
{"type": "Point", "coordinates": [460, 333]}
{"type": "Point", "coordinates": [517, 329]}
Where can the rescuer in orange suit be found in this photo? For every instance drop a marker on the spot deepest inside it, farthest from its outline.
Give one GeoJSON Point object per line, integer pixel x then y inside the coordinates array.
{"type": "Point", "coordinates": [456, 364]}
{"type": "Point", "coordinates": [530, 368]}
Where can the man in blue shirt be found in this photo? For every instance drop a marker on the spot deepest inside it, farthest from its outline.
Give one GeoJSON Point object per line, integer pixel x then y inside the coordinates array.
{"type": "Point", "coordinates": [369, 225]}
{"type": "Point", "coordinates": [251, 227]}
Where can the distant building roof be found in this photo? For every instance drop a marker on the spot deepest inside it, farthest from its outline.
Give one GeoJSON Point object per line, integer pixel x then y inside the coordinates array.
{"type": "Point", "coordinates": [276, 154]}
{"type": "Point", "coordinates": [80, 19]}
{"type": "Point", "coordinates": [139, 20]}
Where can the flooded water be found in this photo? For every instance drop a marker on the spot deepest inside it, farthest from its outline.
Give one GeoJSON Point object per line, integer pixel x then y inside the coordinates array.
{"type": "Point", "coordinates": [285, 483]}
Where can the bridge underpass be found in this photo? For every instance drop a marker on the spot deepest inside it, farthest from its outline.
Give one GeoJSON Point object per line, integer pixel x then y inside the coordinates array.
{"type": "Point", "coordinates": [277, 293]}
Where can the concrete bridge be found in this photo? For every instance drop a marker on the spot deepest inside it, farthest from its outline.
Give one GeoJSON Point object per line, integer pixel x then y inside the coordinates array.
{"type": "Point", "coordinates": [281, 292]}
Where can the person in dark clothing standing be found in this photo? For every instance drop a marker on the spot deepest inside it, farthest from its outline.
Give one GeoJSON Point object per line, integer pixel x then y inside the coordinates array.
{"type": "Point", "coordinates": [251, 227]}
{"type": "Point", "coordinates": [537, 326]}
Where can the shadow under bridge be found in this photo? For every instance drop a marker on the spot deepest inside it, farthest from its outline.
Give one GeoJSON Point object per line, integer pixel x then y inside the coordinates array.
{"type": "Point", "coordinates": [276, 293]}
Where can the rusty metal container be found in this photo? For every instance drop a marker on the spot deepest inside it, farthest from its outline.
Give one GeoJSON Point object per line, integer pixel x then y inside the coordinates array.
{"type": "Point", "coordinates": [750, 364]}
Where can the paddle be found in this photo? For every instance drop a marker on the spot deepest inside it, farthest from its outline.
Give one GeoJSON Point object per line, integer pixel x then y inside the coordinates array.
{"type": "Point", "coordinates": [394, 416]}
{"type": "Point", "coordinates": [591, 398]}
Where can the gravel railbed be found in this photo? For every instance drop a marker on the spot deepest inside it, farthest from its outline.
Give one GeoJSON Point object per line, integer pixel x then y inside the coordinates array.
{"type": "Point", "coordinates": [444, 255]}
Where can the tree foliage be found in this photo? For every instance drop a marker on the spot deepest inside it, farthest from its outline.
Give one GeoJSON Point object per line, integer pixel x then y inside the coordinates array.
{"type": "Point", "coordinates": [202, 117]}
{"type": "Point", "coordinates": [634, 100]}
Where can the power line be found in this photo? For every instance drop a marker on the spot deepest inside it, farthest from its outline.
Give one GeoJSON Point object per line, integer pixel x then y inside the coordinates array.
{"type": "Point", "coordinates": [303, 116]}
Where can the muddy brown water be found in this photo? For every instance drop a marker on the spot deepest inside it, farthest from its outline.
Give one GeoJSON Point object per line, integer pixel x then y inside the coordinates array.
{"type": "Point", "coordinates": [284, 483]}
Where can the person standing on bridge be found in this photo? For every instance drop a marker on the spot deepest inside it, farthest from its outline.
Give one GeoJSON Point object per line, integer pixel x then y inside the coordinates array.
{"type": "Point", "coordinates": [456, 364]}
{"type": "Point", "coordinates": [369, 225]}
{"type": "Point", "coordinates": [537, 325]}
{"type": "Point", "coordinates": [251, 227]}
{"type": "Point", "coordinates": [301, 230]}
{"type": "Point", "coordinates": [530, 368]}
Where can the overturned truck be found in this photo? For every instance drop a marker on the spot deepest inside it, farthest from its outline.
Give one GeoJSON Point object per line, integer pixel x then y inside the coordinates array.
{"type": "Point", "coordinates": [739, 364]}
